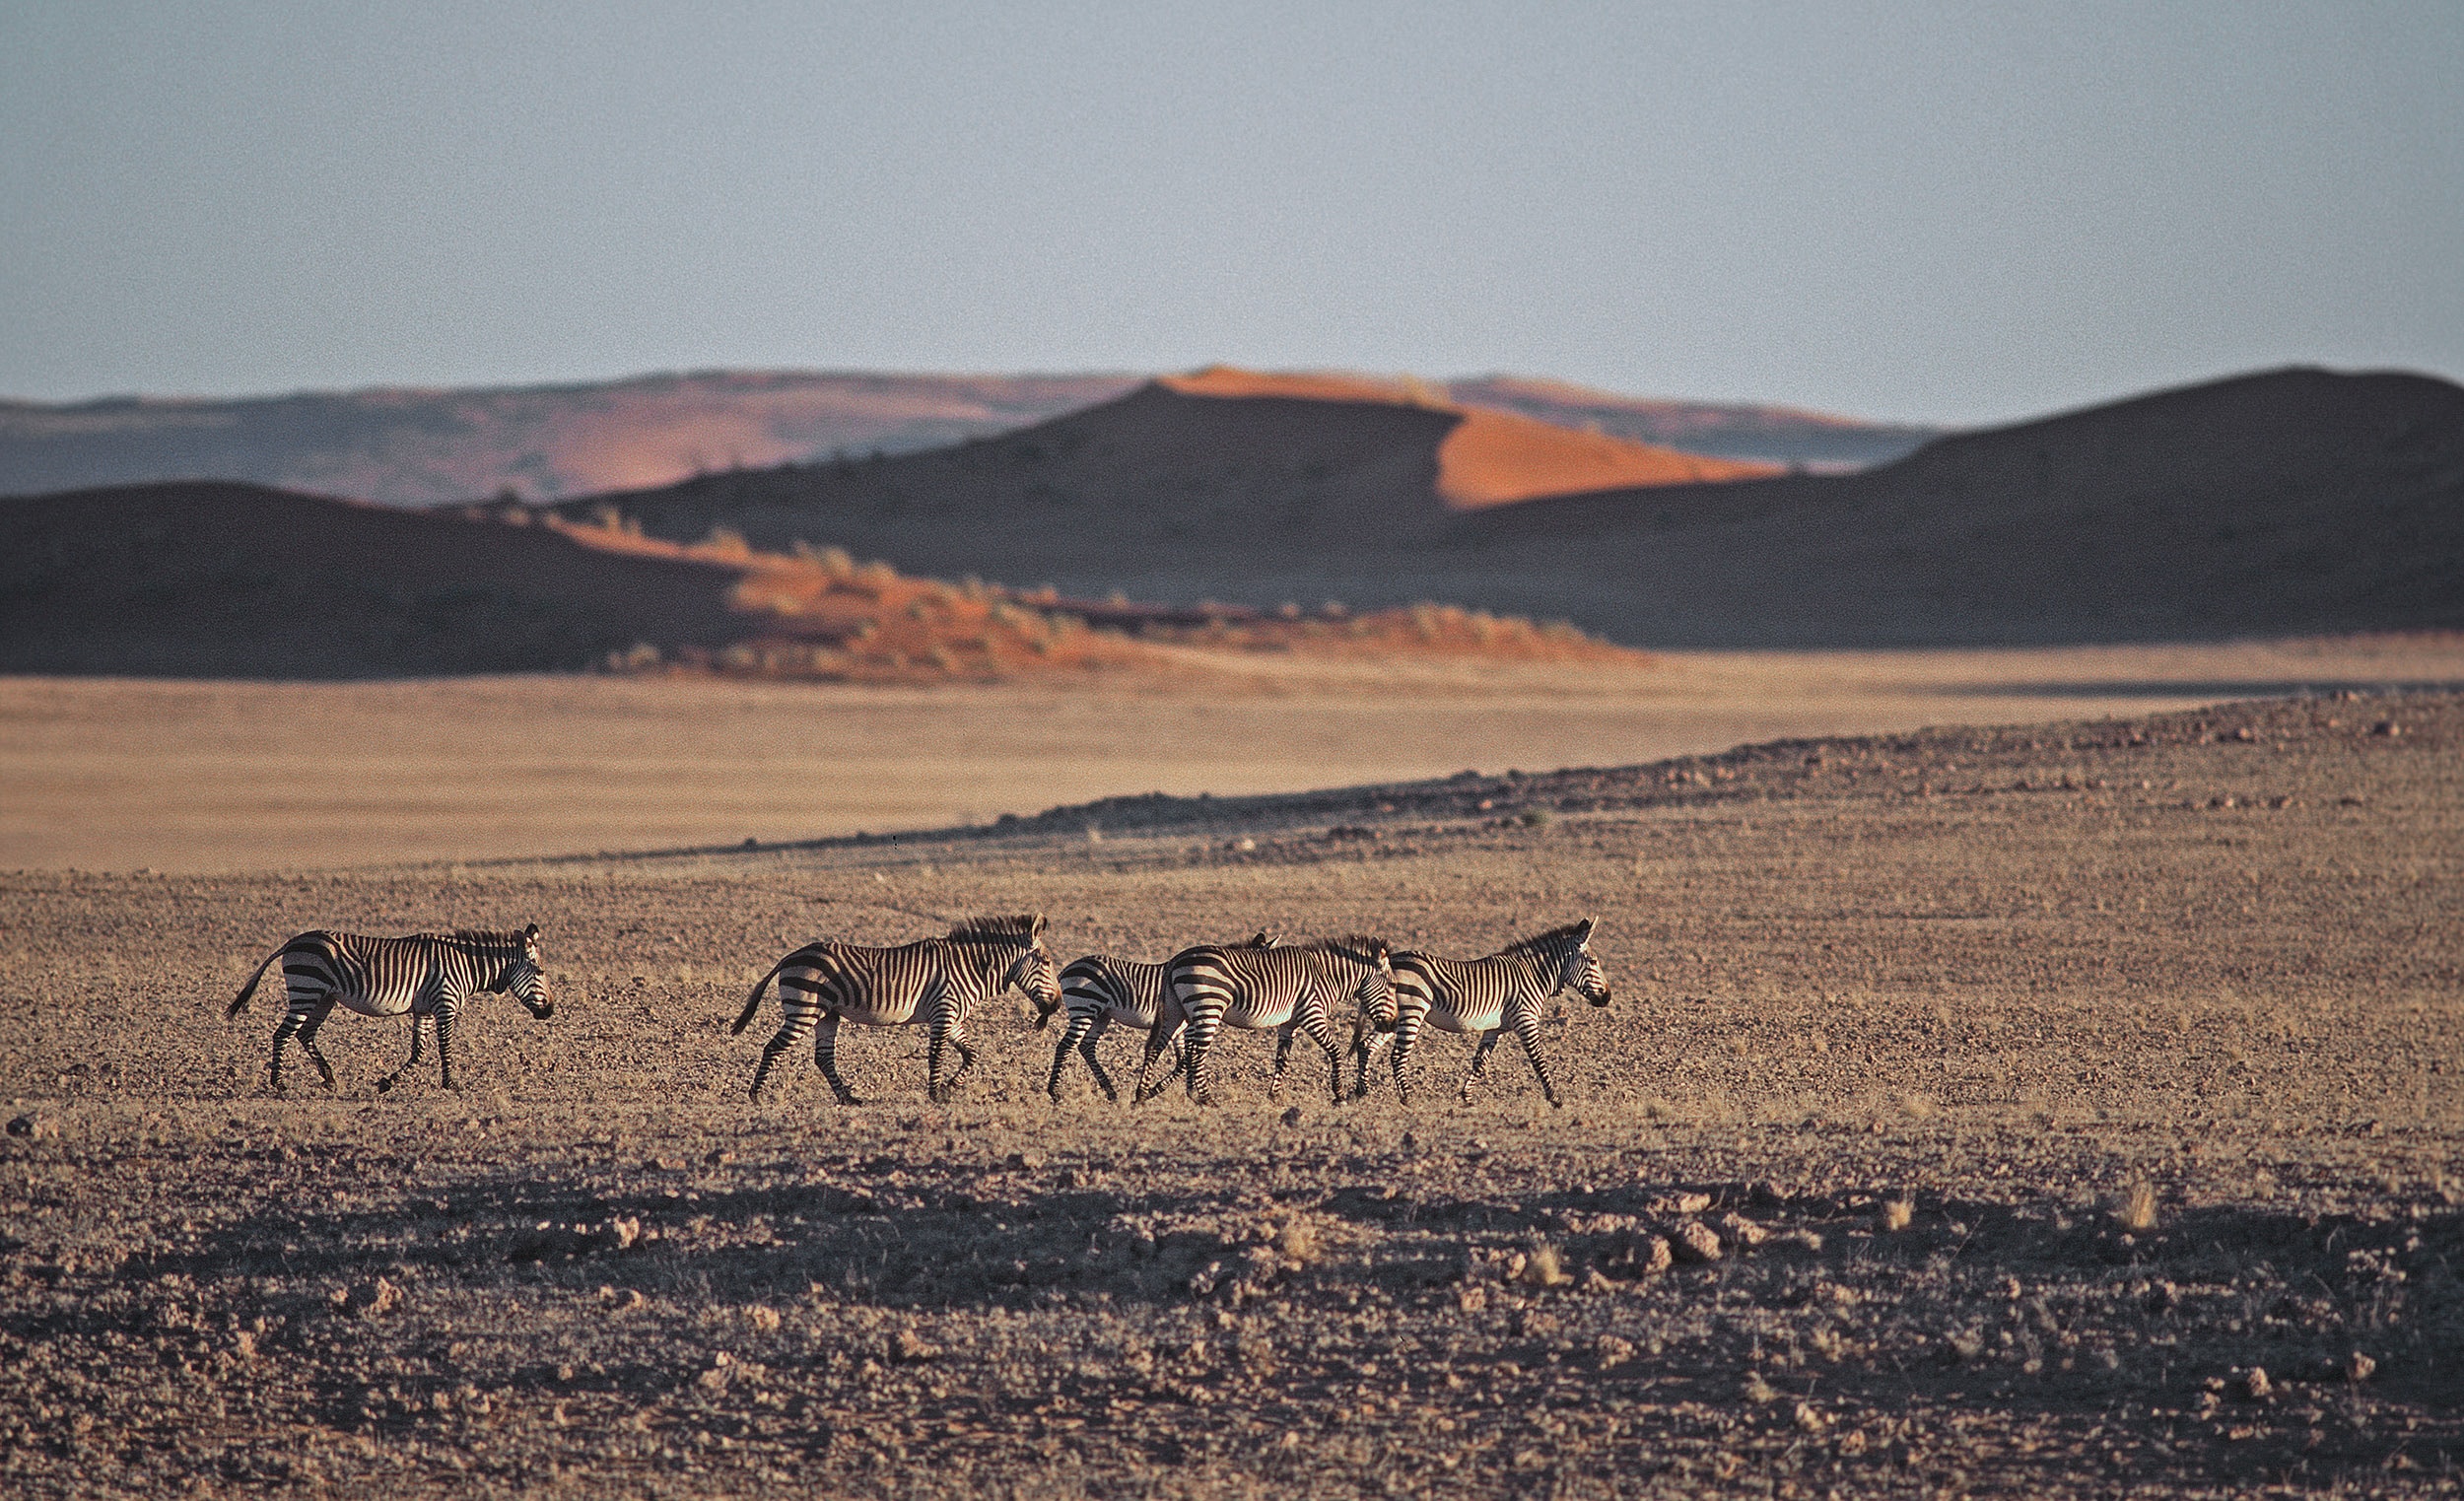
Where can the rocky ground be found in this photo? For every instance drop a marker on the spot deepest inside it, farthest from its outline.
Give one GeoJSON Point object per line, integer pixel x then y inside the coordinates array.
{"type": "Point", "coordinates": [2061, 1111]}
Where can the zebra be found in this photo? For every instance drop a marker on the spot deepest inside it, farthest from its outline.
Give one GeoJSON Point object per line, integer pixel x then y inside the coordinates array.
{"type": "Point", "coordinates": [1262, 989]}
{"type": "Point", "coordinates": [1100, 991]}
{"type": "Point", "coordinates": [1491, 996]}
{"type": "Point", "coordinates": [934, 980]}
{"type": "Point", "coordinates": [427, 974]}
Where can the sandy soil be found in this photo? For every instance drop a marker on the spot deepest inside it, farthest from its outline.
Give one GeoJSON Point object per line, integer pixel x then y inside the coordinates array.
{"type": "Point", "coordinates": [2034, 1090]}
{"type": "Point", "coordinates": [120, 775]}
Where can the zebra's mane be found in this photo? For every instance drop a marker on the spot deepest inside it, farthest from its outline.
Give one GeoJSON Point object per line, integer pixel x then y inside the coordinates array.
{"type": "Point", "coordinates": [481, 937]}
{"type": "Point", "coordinates": [1361, 948]}
{"type": "Point", "coordinates": [1548, 942]}
{"type": "Point", "coordinates": [995, 929]}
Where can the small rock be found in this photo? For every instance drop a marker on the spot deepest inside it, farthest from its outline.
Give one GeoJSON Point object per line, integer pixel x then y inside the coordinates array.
{"type": "Point", "coordinates": [1594, 1281]}
{"type": "Point", "coordinates": [908, 1348]}
{"type": "Point", "coordinates": [1740, 1231]}
{"type": "Point", "coordinates": [2357, 1366]}
{"type": "Point", "coordinates": [1610, 1350]}
{"type": "Point", "coordinates": [1810, 1418]}
{"type": "Point", "coordinates": [374, 1300]}
{"type": "Point", "coordinates": [2255, 1385]}
{"type": "Point", "coordinates": [1654, 1255]}
{"type": "Point", "coordinates": [1695, 1241]}
{"type": "Point", "coordinates": [1291, 1116]}
{"type": "Point", "coordinates": [34, 1127]}
{"type": "Point", "coordinates": [763, 1317]}
{"type": "Point", "coordinates": [2387, 728]}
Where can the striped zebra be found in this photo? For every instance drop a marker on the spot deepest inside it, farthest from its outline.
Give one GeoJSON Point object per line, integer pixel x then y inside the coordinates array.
{"type": "Point", "coordinates": [429, 976]}
{"type": "Point", "coordinates": [1101, 991]}
{"type": "Point", "coordinates": [935, 980]}
{"type": "Point", "coordinates": [1501, 992]}
{"type": "Point", "coordinates": [1261, 989]}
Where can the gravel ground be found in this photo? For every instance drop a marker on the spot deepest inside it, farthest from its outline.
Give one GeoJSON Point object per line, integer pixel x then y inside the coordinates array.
{"type": "Point", "coordinates": [2067, 1111]}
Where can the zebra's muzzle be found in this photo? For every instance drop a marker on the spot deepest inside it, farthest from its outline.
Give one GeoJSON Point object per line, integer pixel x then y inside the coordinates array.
{"type": "Point", "coordinates": [543, 1010]}
{"type": "Point", "coordinates": [1601, 999]}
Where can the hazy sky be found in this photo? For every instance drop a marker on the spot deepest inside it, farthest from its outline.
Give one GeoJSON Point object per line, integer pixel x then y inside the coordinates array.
{"type": "Point", "coordinates": [1954, 212]}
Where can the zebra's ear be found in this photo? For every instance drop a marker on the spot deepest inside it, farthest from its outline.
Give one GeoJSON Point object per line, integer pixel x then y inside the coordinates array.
{"type": "Point", "coordinates": [1582, 932]}
{"type": "Point", "coordinates": [531, 932]}
{"type": "Point", "coordinates": [1035, 928]}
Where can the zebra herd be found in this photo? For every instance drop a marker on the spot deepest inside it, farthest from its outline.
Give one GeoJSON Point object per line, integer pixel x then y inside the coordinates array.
{"type": "Point", "coordinates": [1386, 997]}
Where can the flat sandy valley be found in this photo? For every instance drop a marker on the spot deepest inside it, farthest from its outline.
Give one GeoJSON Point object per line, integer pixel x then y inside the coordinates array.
{"type": "Point", "coordinates": [2063, 1110]}
{"type": "Point", "coordinates": [121, 774]}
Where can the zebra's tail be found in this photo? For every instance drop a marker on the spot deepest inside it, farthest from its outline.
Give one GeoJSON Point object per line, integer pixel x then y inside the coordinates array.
{"type": "Point", "coordinates": [753, 1002]}
{"type": "Point", "coordinates": [248, 990]}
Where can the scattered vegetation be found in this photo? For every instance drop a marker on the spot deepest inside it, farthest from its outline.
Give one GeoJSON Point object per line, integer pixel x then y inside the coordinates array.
{"type": "Point", "coordinates": [816, 613]}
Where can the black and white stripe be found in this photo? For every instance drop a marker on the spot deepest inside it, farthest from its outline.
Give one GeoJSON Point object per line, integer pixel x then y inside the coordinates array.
{"type": "Point", "coordinates": [1102, 992]}
{"type": "Point", "coordinates": [938, 982]}
{"type": "Point", "coordinates": [1261, 989]}
{"type": "Point", "coordinates": [1502, 993]}
{"type": "Point", "coordinates": [428, 976]}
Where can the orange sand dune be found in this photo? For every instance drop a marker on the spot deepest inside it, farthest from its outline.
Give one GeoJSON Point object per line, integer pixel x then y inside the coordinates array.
{"type": "Point", "coordinates": [1489, 457]}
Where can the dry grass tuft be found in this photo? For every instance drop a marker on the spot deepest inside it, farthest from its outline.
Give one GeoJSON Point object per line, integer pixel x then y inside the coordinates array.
{"type": "Point", "coordinates": [2137, 1211]}
{"type": "Point", "coordinates": [1895, 1214]}
{"type": "Point", "coordinates": [1543, 1268]}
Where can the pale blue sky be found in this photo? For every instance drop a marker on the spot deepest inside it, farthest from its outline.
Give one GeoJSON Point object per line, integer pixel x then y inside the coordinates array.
{"type": "Point", "coordinates": [1942, 213]}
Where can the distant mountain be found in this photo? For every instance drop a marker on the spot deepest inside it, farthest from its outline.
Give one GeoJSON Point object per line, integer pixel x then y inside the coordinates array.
{"type": "Point", "coordinates": [2287, 502]}
{"type": "Point", "coordinates": [425, 448]}
{"type": "Point", "coordinates": [2284, 503]}
{"type": "Point", "coordinates": [1183, 482]}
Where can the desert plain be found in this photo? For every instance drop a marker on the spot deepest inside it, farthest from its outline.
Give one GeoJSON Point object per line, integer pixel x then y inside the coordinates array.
{"type": "Point", "coordinates": [2063, 1109]}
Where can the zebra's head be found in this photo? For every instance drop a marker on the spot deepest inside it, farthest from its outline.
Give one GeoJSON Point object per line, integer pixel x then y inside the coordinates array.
{"type": "Point", "coordinates": [1032, 971]}
{"type": "Point", "coordinates": [1371, 963]}
{"type": "Point", "coordinates": [524, 977]}
{"type": "Point", "coordinates": [1579, 971]}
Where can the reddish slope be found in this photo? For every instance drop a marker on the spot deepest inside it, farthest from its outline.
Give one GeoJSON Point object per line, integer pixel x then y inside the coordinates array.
{"type": "Point", "coordinates": [1490, 457]}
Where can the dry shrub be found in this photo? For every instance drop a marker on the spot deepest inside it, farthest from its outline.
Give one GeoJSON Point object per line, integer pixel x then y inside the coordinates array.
{"type": "Point", "coordinates": [2136, 1210]}
{"type": "Point", "coordinates": [1543, 1268]}
{"type": "Point", "coordinates": [1895, 1214]}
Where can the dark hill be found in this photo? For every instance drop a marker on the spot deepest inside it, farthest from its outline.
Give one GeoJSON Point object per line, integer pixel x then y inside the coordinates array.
{"type": "Point", "coordinates": [2289, 502]}
{"type": "Point", "coordinates": [237, 581]}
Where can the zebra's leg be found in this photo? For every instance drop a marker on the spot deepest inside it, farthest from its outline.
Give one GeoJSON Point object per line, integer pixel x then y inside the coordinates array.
{"type": "Point", "coordinates": [1479, 1064]}
{"type": "Point", "coordinates": [1526, 1029]}
{"type": "Point", "coordinates": [1081, 1033]}
{"type": "Point", "coordinates": [1406, 1033]}
{"type": "Point", "coordinates": [1156, 1041]}
{"type": "Point", "coordinates": [386, 1084]}
{"type": "Point", "coordinates": [951, 1031]}
{"type": "Point", "coordinates": [308, 1040]}
{"type": "Point", "coordinates": [966, 1055]}
{"type": "Point", "coordinates": [1312, 1020]}
{"type": "Point", "coordinates": [445, 1011]}
{"type": "Point", "coordinates": [792, 1029]}
{"type": "Point", "coordinates": [1284, 1047]}
{"type": "Point", "coordinates": [296, 1012]}
{"type": "Point", "coordinates": [1095, 1065]}
{"type": "Point", "coordinates": [1201, 1041]}
{"type": "Point", "coordinates": [825, 1054]}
